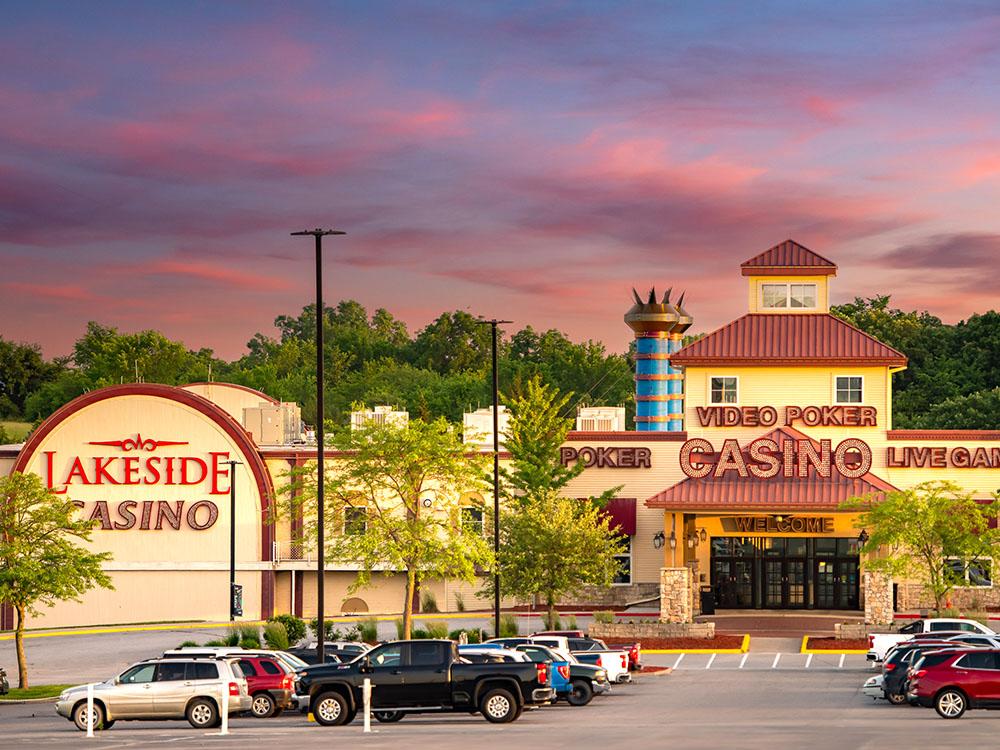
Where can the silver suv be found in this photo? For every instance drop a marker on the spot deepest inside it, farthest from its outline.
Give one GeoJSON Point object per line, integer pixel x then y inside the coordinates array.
{"type": "Point", "coordinates": [173, 688]}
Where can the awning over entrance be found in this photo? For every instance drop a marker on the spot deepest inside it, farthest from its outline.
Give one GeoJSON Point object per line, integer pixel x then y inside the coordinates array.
{"type": "Point", "coordinates": [809, 493]}
{"type": "Point", "coordinates": [621, 511]}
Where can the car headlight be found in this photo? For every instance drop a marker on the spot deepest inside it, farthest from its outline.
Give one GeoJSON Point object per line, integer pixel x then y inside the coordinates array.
{"type": "Point", "coordinates": [601, 674]}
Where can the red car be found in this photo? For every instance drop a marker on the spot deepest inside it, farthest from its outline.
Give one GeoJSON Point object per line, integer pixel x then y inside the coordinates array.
{"type": "Point", "coordinates": [269, 684]}
{"type": "Point", "coordinates": [955, 681]}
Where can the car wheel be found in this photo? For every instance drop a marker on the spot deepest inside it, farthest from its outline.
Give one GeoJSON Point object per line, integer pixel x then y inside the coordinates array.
{"type": "Point", "coordinates": [896, 699]}
{"type": "Point", "coordinates": [388, 717]}
{"type": "Point", "coordinates": [202, 713]}
{"type": "Point", "coordinates": [108, 724]}
{"type": "Point", "coordinates": [330, 709]}
{"type": "Point", "coordinates": [498, 706]}
{"type": "Point", "coordinates": [581, 693]}
{"type": "Point", "coordinates": [80, 716]}
{"type": "Point", "coordinates": [263, 706]}
{"type": "Point", "coordinates": [950, 704]}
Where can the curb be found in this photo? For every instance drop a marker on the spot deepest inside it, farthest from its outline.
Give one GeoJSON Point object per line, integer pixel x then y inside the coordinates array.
{"type": "Point", "coordinates": [744, 647]}
{"type": "Point", "coordinates": [128, 629]}
{"type": "Point", "coordinates": [24, 701]}
{"type": "Point", "coordinates": [806, 650]}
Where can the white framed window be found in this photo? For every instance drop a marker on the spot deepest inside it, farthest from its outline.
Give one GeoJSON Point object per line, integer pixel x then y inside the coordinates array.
{"type": "Point", "coordinates": [624, 575]}
{"type": "Point", "coordinates": [355, 520]}
{"type": "Point", "coordinates": [974, 573]}
{"type": "Point", "coordinates": [780, 296]}
{"type": "Point", "coordinates": [724, 389]}
{"type": "Point", "coordinates": [473, 521]}
{"type": "Point", "coordinates": [849, 389]}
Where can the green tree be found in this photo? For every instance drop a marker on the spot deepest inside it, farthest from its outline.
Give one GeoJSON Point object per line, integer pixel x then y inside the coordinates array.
{"type": "Point", "coordinates": [914, 532]}
{"type": "Point", "coordinates": [550, 546]}
{"type": "Point", "coordinates": [40, 561]}
{"type": "Point", "coordinates": [393, 503]}
{"type": "Point", "coordinates": [977, 411]}
{"type": "Point", "coordinates": [23, 370]}
{"type": "Point", "coordinates": [455, 342]}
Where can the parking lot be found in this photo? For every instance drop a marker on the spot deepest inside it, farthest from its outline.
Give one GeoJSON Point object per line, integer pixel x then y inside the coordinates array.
{"type": "Point", "coordinates": [695, 707]}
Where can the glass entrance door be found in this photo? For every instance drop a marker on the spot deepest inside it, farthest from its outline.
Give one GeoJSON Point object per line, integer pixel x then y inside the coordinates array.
{"type": "Point", "coordinates": [784, 583]}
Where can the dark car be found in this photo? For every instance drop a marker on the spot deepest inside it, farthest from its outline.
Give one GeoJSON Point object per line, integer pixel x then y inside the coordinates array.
{"type": "Point", "coordinates": [897, 662]}
{"type": "Point", "coordinates": [423, 675]}
{"type": "Point", "coordinates": [957, 682]}
{"type": "Point", "coordinates": [308, 655]}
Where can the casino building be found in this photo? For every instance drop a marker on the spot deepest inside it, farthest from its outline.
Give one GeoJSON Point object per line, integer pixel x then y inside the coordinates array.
{"type": "Point", "coordinates": [747, 442]}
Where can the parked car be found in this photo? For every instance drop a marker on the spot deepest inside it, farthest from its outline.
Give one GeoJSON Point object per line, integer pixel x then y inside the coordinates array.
{"type": "Point", "coordinates": [873, 687]}
{"type": "Point", "coordinates": [975, 639]}
{"type": "Point", "coordinates": [959, 681]}
{"type": "Point", "coordinates": [579, 641]}
{"type": "Point", "coordinates": [344, 650]}
{"type": "Point", "coordinates": [308, 655]}
{"type": "Point", "coordinates": [496, 655]}
{"type": "Point", "coordinates": [897, 663]}
{"type": "Point", "coordinates": [510, 642]}
{"type": "Point", "coordinates": [175, 688]}
{"type": "Point", "coordinates": [579, 683]}
{"type": "Point", "coordinates": [4, 685]}
{"type": "Point", "coordinates": [423, 675]}
{"type": "Point", "coordinates": [880, 643]}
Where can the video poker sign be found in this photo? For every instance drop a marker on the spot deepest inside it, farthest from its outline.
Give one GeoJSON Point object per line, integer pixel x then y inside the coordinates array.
{"type": "Point", "coordinates": [133, 466]}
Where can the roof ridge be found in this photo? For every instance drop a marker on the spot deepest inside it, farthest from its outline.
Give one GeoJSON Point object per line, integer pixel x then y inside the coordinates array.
{"type": "Point", "coordinates": [777, 248]}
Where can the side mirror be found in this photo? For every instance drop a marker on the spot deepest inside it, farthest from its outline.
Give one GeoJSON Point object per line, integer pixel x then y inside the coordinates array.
{"type": "Point", "coordinates": [366, 664]}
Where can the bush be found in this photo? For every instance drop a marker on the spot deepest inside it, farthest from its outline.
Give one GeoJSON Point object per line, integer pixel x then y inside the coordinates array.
{"type": "Point", "coordinates": [275, 636]}
{"type": "Point", "coordinates": [399, 628]}
{"type": "Point", "coordinates": [605, 617]}
{"type": "Point", "coordinates": [459, 602]}
{"type": "Point", "coordinates": [215, 643]}
{"type": "Point", "coordinates": [327, 628]}
{"type": "Point", "coordinates": [552, 621]}
{"type": "Point", "coordinates": [420, 633]}
{"type": "Point", "coordinates": [295, 627]}
{"type": "Point", "coordinates": [248, 632]}
{"type": "Point", "coordinates": [508, 626]}
{"type": "Point", "coordinates": [368, 628]}
{"type": "Point", "coordinates": [428, 602]}
{"type": "Point", "coordinates": [232, 637]}
{"type": "Point", "coordinates": [476, 635]}
{"type": "Point", "coordinates": [571, 623]}
{"type": "Point", "coordinates": [188, 643]}
{"type": "Point", "coordinates": [436, 629]}
{"type": "Point", "coordinates": [250, 643]}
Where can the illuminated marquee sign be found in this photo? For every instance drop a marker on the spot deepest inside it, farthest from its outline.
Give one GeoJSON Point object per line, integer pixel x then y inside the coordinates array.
{"type": "Point", "coordinates": [767, 416]}
{"type": "Point", "coordinates": [606, 458]}
{"type": "Point", "coordinates": [938, 457]}
{"type": "Point", "coordinates": [763, 458]}
{"type": "Point", "coordinates": [210, 475]}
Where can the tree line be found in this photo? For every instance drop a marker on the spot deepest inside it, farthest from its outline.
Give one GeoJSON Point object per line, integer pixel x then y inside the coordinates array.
{"type": "Point", "coordinates": [952, 381]}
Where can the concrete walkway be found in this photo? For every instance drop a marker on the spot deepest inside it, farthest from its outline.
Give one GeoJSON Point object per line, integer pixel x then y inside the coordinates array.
{"type": "Point", "coordinates": [771, 624]}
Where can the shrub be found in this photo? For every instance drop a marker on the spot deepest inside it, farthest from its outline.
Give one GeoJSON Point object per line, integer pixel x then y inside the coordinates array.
{"type": "Point", "coordinates": [188, 643]}
{"type": "Point", "coordinates": [327, 628]}
{"type": "Point", "coordinates": [215, 643]}
{"type": "Point", "coordinates": [508, 626]}
{"type": "Point", "coordinates": [232, 637]}
{"type": "Point", "coordinates": [552, 621]}
{"type": "Point", "coordinates": [571, 623]}
{"type": "Point", "coordinates": [295, 627]}
{"type": "Point", "coordinates": [436, 629]}
{"type": "Point", "coordinates": [250, 643]}
{"type": "Point", "coordinates": [248, 632]}
{"type": "Point", "coordinates": [369, 630]}
{"type": "Point", "coordinates": [420, 633]}
{"type": "Point", "coordinates": [399, 627]}
{"type": "Point", "coordinates": [275, 636]}
{"type": "Point", "coordinates": [428, 602]}
{"type": "Point", "coordinates": [476, 635]}
{"type": "Point", "coordinates": [605, 617]}
{"type": "Point", "coordinates": [459, 602]}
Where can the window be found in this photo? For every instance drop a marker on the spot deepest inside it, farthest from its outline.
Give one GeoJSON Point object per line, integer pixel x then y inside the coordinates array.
{"type": "Point", "coordinates": [782, 296]}
{"type": "Point", "coordinates": [171, 671]}
{"type": "Point", "coordinates": [269, 667]}
{"type": "Point", "coordinates": [248, 668]}
{"type": "Point", "coordinates": [234, 667]}
{"type": "Point", "coordinates": [978, 660]}
{"type": "Point", "coordinates": [355, 520]}
{"type": "Point", "coordinates": [970, 573]}
{"type": "Point", "coordinates": [141, 673]}
{"type": "Point", "coordinates": [426, 654]}
{"type": "Point", "coordinates": [724, 390]}
{"type": "Point", "coordinates": [849, 389]}
{"type": "Point", "coordinates": [388, 656]}
{"type": "Point", "coordinates": [203, 671]}
{"type": "Point", "coordinates": [624, 574]}
{"type": "Point", "coordinates": [472, 521]}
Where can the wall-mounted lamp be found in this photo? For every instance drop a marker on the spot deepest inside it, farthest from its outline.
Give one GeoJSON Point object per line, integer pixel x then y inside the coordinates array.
{"type": "Point", "coordinates": [658, 540]}
{"type": "Point", "coordinates": [696, 536]}
{"type": "Point", "coordinates": [863, 537]}
{"type": "Point", "coordinates": [673, 540]}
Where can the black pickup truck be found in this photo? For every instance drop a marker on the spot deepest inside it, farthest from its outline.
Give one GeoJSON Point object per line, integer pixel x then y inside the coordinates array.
{"type": "Point", "coordinates": [421, 676]}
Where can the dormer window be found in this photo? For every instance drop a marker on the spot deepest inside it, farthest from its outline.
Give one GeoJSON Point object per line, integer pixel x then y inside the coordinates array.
{"type": "Point", "coordinates": [784, 296]}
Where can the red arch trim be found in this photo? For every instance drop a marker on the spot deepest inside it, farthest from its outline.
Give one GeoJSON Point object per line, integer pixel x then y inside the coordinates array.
{"type": "Point", "coordinates": [200, 404]}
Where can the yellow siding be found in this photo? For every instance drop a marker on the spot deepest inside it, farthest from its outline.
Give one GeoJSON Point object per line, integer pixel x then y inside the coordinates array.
{"type": "Point", "coordinates": [822, 292]}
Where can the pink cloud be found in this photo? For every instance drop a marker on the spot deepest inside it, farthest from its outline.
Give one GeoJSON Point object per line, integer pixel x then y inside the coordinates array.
{"type": "Point", "coordinates": [60, 292]}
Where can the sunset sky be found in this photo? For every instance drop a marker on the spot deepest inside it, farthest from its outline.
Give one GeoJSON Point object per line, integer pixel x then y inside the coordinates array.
{"type": "Point", "coordinates": [532, 161]}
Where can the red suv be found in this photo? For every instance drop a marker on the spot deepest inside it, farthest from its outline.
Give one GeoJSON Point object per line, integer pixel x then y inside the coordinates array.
{"type": "Point", "coordinates": [269, 684]}
{"type": "Point", "coordinates": [955, 681]}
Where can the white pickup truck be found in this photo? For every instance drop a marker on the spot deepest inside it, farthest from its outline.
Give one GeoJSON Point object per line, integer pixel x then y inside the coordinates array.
{"type": "Point", "coordinates": [879, 644]}
{"type": "Point", "coordinates": [614, 661]}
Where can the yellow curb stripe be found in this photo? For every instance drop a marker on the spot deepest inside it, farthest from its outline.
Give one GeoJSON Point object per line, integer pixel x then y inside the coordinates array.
{"type": "Point", "coordinates": [806, 650]}
{"type": "Point", "coordinates": [129, 629]}
{"type": "Point", "coordinates": [744, 647]}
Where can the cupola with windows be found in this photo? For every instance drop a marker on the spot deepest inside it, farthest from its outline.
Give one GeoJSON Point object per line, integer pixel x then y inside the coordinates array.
{"type": "Point", "coordinates": [789, 278]}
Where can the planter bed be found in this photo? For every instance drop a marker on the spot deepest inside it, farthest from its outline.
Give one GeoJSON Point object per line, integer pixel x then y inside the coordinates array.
{"type": "Point", "coordinates": [718, 642]}
{"type": "Point", "coordinates": [654, 670]}
{"type": "Point", "coordinates": [837, 644]}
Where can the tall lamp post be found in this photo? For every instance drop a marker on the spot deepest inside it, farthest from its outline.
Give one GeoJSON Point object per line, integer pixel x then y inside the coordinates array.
{"type": "Point", "coordinates": [496, 474]}
{"type": "Point", "coordinates": [233, 609]}
{"type": "Point", "coordinates": [319, 234]}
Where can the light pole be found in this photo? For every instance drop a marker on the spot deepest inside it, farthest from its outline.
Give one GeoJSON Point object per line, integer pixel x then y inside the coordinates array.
{"type": "Point", "coordinates": [232, 541]}
{"type": "Point", "coordinates": [318, 234]}
{"type": "Point", "coordinates": [496, 475]}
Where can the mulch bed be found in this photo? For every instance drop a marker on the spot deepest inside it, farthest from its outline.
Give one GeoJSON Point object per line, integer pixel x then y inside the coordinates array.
{"type": "Point", "coordinates": [837, 644]}
{"type": "Point", "coordinates": [654, 670]}
{"type": "Point", "coordinates": [719, 642]}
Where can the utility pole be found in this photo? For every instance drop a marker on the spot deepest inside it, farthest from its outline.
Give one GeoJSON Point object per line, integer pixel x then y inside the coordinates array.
{"type": "Point", "coordinates": [232, 542]}
{"type": "Point", "coordinates": [318, 234]}
{"type": "Point", "coordinates": [496, 474]}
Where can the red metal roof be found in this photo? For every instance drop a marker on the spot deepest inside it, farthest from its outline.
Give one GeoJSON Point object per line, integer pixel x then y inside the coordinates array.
{"type": "Point", "coordinates": [789, 257]}
{"type": "Point", "coordinates": [788, 339]}
{"type": "Point", "coordinates": [812, 492]}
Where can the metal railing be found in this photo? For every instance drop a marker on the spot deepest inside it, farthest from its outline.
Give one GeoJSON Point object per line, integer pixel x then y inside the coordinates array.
{"type": "Point", "coordinates": [287, 551]}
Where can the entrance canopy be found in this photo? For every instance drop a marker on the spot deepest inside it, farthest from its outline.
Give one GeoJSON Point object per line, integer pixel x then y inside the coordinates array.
{"type": "Point", "coordinates": [811, 492]}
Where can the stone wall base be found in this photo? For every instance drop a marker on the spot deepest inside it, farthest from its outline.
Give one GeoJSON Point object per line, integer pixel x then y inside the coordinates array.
{"type": "Point", "coordinates": [640, 630]}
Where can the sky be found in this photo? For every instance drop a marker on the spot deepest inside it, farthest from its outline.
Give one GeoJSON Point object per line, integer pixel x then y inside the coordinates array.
{"type": "Point", "coordinates": [531, 161]}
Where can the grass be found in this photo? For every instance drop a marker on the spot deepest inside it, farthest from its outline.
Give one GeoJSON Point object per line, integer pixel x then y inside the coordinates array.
{"type": "Point", "coordinates": [38, 691]}
{"type": "Point", "coordinates": [17, 431]}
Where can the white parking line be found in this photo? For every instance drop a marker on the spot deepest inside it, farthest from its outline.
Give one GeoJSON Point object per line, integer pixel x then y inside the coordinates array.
{"type": "Point", "coordinates": [744, 659]}
{"type": "Point", "coordinates": [710, 660]}
{"type": "Point", "coordinates": [677, 663]}
{"type": "Point", "coordinates": [841, 664]}
{"type": "Point", "coordinates": [775, 664]}
{"type": "Point", "coordinates": [809, 660]}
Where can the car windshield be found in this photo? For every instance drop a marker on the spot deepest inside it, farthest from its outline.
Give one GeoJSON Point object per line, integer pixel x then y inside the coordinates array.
{"type": "Point", "coordinates": [291, 660]}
